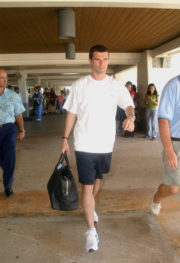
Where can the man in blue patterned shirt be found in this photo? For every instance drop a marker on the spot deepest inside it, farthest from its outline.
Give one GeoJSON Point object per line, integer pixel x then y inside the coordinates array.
{"type": "Point", "coordinates": [11, 109]}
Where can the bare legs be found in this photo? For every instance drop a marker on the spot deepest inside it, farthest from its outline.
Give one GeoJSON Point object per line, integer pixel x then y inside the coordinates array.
{"type": "Point", "coordinates": [165, 191]}
{"type": "Point", "coordinates": [96, 187]}
{"type": "Point", "coordinates": [89, 193]}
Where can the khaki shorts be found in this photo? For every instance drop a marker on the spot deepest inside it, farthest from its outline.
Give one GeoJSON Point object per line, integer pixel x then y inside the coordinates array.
{"type": "Point", "coordinates": [170, 176]}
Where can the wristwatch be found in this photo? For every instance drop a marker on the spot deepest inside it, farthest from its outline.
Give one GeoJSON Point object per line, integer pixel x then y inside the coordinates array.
{"type": "Point", "coordinates": [64, 137]}
{"type": "Point", "coordinates": [131, 115]}
{"type": "Point", "coordinates": [21, 131]}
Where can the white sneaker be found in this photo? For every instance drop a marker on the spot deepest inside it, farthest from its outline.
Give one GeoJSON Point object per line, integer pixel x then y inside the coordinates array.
{"type": "Point", "coordinates": [92, 240]}
{"type": "Point", "coordinates": [155, 207]}
{"type": "Point", "coordinates": [96, 219]}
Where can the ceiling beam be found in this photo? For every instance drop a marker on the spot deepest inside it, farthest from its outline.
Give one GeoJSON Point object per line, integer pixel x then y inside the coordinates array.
{"type": "Point", "coordinates": [57, 78]}
{"type": "Point", "coordinates": [59, 59]}
{"type": "Point", "coordinates": [170, 4]}
{"type": "Point", "coordinates": [57, 71]}
{"type": "Point", "coordinates": [167, 47]}
{"type": "Point", "coordinates": [119, 68]}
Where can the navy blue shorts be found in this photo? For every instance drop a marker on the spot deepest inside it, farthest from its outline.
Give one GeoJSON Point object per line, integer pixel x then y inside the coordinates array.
{"type": "Point", "coordinates": [91, 166]}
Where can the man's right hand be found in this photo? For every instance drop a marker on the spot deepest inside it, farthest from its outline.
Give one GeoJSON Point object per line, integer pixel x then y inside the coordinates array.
{"type": "Point", "coordinates": [70, 120]}
{"type": "Point", "coordinates": [171, 159]}
{"type": "Point", "coordinates": [65, 147]}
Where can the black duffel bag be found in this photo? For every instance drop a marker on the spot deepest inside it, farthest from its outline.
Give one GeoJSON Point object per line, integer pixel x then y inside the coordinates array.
{"type": "Point", "coordinates": [62, 186]}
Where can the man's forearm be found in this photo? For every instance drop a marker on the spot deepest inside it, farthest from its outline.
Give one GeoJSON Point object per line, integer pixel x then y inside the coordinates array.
{"type": "Point", "coordinates": [165, 134]}
{"type": "Point", "coordinates": [130, 111]}
{"type": "Point", "coordinates": [70, 120]}
{"type": "Point", "coordinates": [20, 122]}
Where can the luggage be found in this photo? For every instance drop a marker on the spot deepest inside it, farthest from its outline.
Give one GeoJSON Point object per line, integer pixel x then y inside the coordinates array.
{"type": "Point", "coordinates": [62, 186]}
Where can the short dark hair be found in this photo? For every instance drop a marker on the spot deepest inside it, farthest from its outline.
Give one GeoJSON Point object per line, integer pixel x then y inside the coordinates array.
{"type": "Point", "coordinates": [129, 83]}
{"type": "Point", "coordinates": [97, 48]}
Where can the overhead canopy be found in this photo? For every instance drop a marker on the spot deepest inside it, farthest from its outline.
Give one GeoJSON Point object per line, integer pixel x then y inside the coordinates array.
{"type": "Point", "coordinates": [35, 30]}
{"type": "Point", "coordinates": [124, 30]}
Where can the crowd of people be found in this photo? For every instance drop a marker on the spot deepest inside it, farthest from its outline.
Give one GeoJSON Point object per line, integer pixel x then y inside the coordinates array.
{"type": "Point", "coordinates": [48, 102]}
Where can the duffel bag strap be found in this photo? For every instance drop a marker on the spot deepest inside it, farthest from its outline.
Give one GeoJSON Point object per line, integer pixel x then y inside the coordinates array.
{"type": "Point", "coordinates": [62, 157]}
{"type": "Point", "coordinates": [66, 159]}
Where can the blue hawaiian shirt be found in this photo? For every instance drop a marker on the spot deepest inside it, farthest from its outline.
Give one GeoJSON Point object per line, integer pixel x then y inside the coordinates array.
{"type": "Point", "coordinates": [10, 106]}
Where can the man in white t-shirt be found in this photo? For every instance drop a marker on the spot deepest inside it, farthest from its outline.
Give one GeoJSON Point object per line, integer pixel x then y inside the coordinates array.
{"type": "Point", "coordinates": [92, 105]}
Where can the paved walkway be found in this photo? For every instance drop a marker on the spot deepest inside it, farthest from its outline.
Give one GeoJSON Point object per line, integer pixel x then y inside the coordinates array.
{"type": "Point", "coordinates": [30, 231]}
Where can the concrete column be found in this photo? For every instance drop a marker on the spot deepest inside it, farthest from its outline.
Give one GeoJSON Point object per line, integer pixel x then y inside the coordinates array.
{"type": "Point", "coordinates": [143, 74]}
{"type": "Point", "coordinates": [44, 83]}
{"type": "Point", "coordinates": [47, 84]}
{"type": "Point", "coordinates": [37, 82]}
{"type": "Point", "coordinates": [144, 68]}
{"type": "Point", "coordinates": [22, 84]}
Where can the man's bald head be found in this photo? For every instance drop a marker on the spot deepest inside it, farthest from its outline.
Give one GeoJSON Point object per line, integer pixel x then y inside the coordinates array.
{"type": "Point", "coordinates": [3, 70]}
{"type": "Point", "coordinates": [3, 79]}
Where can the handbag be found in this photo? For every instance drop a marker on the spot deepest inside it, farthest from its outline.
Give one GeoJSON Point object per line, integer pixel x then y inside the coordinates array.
{"type": "Point", "coordinates": [62, 186]}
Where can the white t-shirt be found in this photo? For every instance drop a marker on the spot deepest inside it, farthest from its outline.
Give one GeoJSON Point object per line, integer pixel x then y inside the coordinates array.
{"type": "Point", "coordinates": [95, 103]}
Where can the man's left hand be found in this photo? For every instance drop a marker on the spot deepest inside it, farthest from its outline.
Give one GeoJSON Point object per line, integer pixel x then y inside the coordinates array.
{"type": "Point", "coordinates": [21, 136]}
{"type": "Point", "coordinates": [128, 124]}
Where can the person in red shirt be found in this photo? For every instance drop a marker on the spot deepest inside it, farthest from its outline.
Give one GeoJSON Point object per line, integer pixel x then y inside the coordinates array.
{"type": "Point", "coordinates": [52, 100]}
{"type": "Point", "coordinates": [129, 86]}
{"type": "Point", "coordinates": [46, 96]}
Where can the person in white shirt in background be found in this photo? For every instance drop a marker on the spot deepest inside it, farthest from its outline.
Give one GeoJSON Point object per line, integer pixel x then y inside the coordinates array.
{"type": "Point", "coordinates": [92, 105]}
{"type": "Point", "coordinates": [16, 89]}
